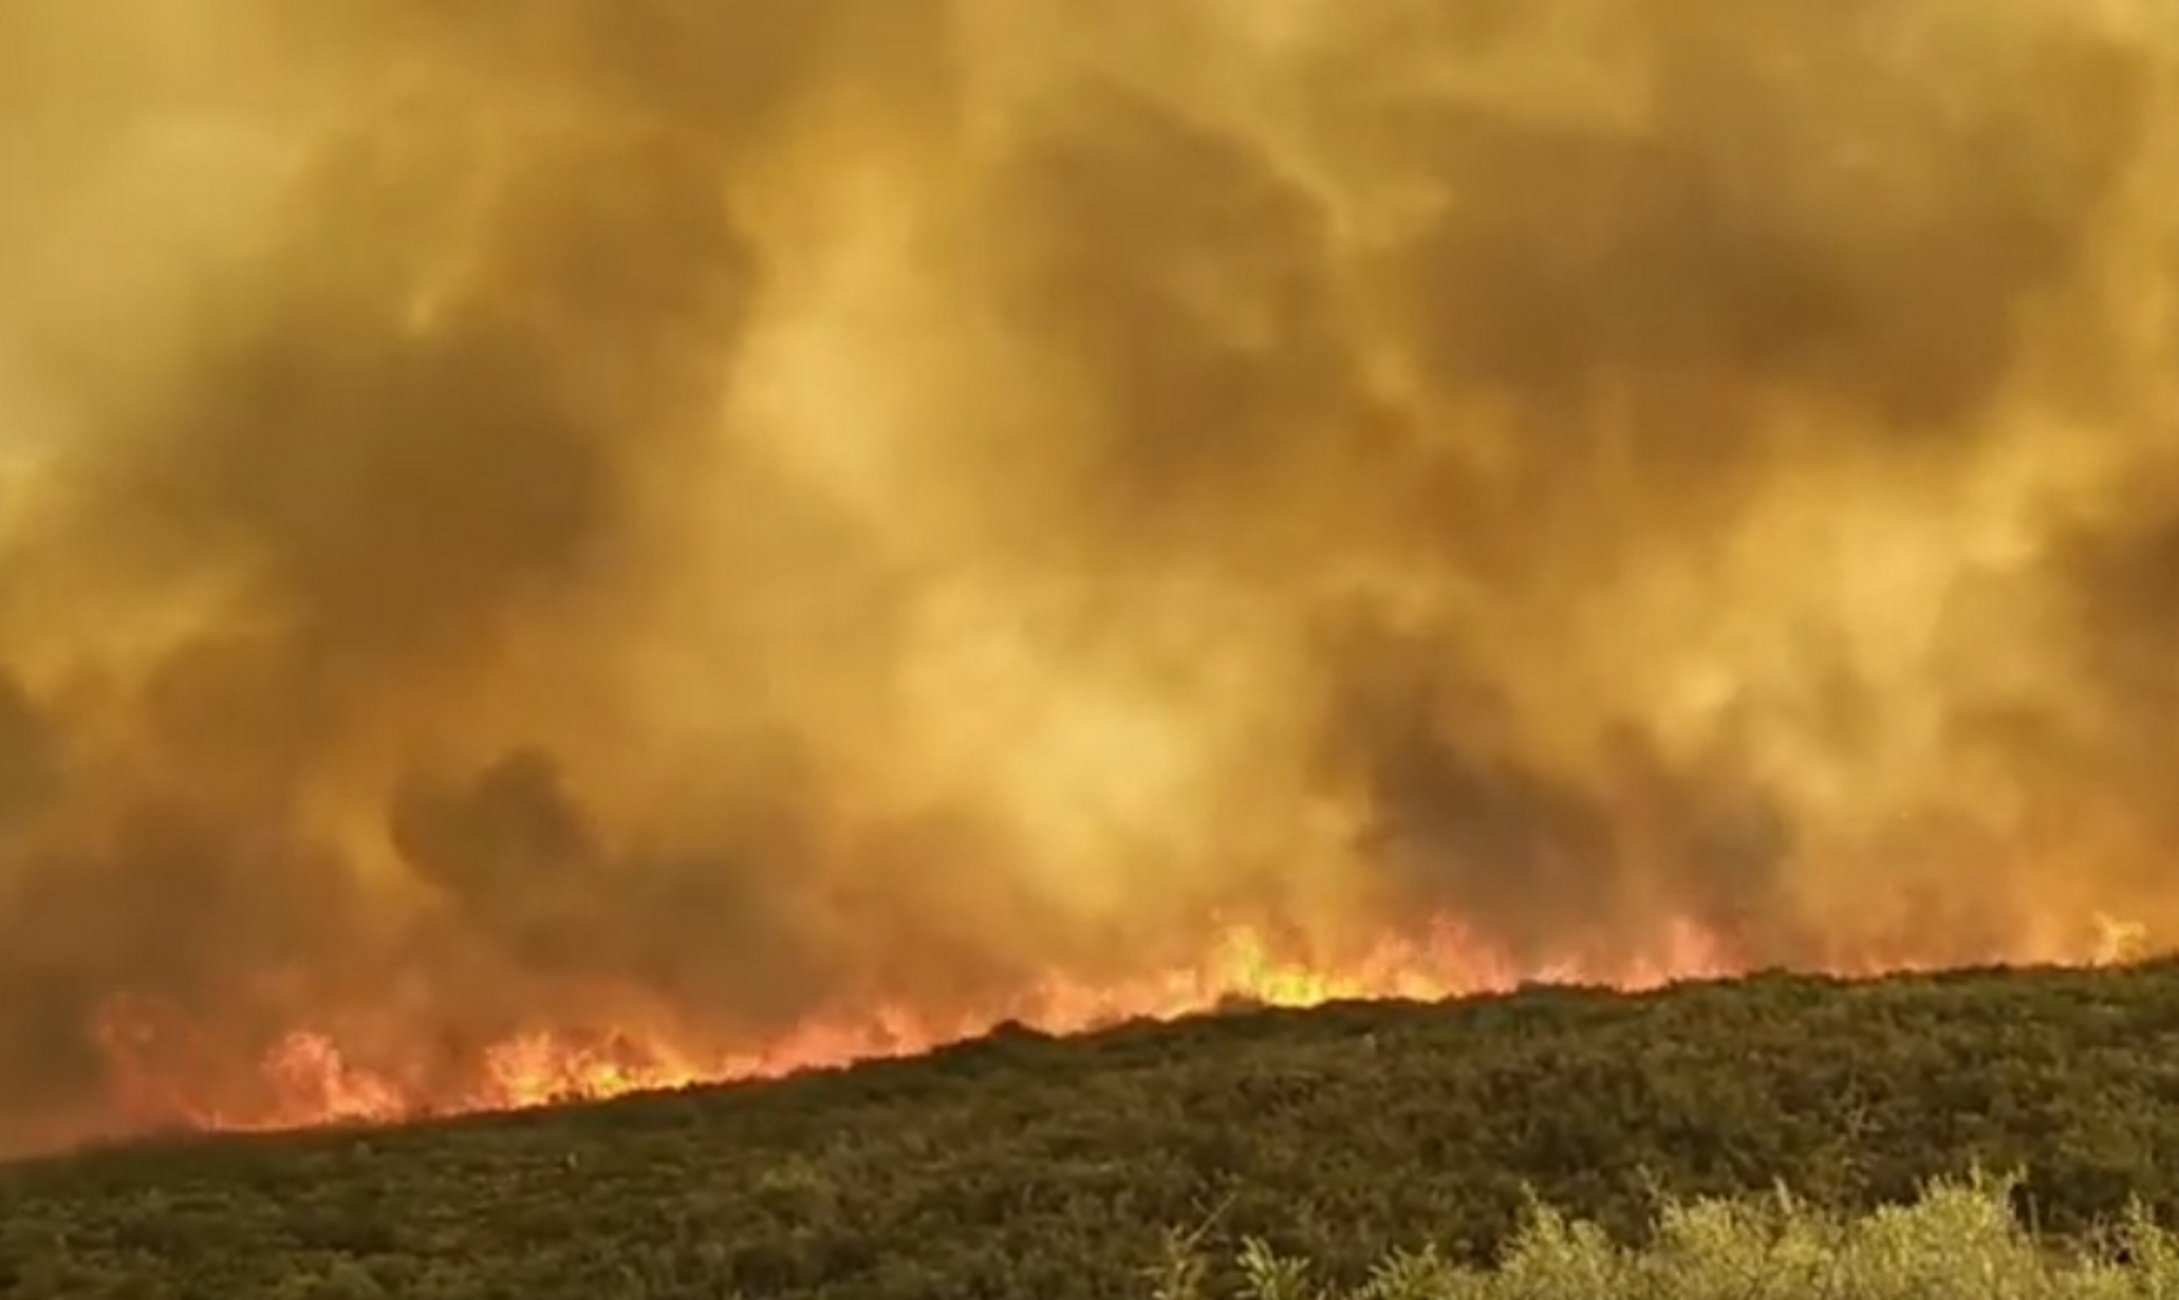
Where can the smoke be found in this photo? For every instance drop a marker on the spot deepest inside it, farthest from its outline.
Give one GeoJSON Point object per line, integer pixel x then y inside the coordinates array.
{"type": "Point", "coordinates": [510, 513]}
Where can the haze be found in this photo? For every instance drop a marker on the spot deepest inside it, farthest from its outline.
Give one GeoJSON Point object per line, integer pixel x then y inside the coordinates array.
{"type": "Point", "coordinates": [514, 511]}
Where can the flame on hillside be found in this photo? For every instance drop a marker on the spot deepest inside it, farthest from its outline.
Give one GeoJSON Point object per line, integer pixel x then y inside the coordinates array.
{"type": "Point", "coordinates": [560, 547]}
{"type": "Point", "coordinates": [307, 1080]}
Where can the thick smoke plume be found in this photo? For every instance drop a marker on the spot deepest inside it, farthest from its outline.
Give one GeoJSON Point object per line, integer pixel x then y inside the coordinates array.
{"type": "Point", "coordinates": [718, 515]}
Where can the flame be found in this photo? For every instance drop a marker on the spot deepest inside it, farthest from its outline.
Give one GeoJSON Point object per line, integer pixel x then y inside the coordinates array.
{"type": "Point", "coordinates": [642, 543]}
{"type": "Point", "coordinates": [309, 1078]}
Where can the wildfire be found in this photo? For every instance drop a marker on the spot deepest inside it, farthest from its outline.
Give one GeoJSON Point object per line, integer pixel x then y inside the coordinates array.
{"type": "Point", "coordinates": [310, 1078]}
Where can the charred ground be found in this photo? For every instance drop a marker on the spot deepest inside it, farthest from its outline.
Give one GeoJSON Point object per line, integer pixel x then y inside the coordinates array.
{"type": "Point", "coordinates": [1022, 1165]}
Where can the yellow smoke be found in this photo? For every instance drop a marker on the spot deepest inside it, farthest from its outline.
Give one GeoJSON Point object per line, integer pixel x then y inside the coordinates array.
{"type": "Point", "coordinates": [774, 508]}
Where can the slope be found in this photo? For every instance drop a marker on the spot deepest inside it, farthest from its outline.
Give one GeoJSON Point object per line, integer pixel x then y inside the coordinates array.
{"type": "Point", "coordinates": [1021, 1165]}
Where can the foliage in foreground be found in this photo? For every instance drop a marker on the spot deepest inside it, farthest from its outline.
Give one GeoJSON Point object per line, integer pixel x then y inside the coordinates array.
{"type": "Point", "coordinates": [1959, 1241]}
{"type": "Point", "coordinates": [1039, 1168]}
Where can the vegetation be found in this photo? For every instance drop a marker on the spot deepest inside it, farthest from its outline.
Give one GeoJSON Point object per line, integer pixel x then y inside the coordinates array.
{"type": "Point", "coordinates": [1349, 1136]}
{"type": "Point", "coordinates": [1960, 1241]}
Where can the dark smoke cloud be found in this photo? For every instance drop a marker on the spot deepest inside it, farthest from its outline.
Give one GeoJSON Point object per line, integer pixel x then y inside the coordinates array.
{"type": "Point", "coordinates": [28, 766]}
{"type": "Point", "coordinates": [702, 517]}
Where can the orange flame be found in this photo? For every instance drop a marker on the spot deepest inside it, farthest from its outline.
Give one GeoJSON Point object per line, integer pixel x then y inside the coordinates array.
{"type": "Point", "coordinates": [310, 1079]}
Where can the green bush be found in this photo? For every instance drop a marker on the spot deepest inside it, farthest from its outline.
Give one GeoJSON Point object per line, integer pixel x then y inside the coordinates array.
{"type": "Point", "coordinates": [1958, 1241]}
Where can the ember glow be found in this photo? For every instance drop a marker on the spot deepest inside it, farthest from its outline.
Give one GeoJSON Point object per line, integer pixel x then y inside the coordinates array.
{"type": "Point", "coordinates": [555, 549]}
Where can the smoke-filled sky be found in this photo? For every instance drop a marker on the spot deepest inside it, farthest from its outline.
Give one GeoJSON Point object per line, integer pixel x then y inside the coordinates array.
{"type": "Point", "coordinates": [764, 508]}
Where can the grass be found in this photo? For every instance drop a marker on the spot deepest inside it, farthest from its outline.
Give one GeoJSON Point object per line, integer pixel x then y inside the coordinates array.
{"type": "Point", "coordinates": [1385, 1144]}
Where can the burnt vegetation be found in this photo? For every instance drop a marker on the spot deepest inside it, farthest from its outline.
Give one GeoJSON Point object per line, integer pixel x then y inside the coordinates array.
{"type": "Point", "coordinates": [1030, 1166]}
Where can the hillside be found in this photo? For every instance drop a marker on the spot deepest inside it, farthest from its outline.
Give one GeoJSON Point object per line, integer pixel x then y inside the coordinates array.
{"type": "Point", "coordinates": [1026, 1166]}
